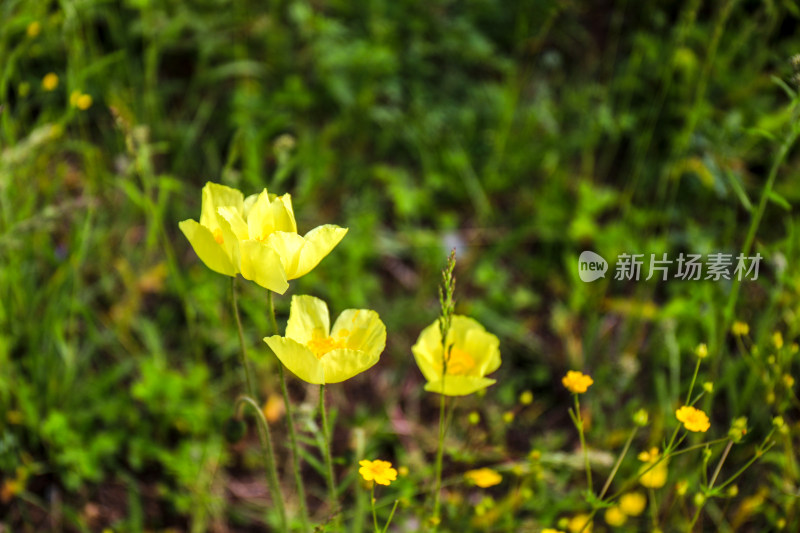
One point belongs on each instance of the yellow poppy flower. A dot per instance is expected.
(381, 472)
(315, 353)
(693, 419)
(256, 237)
(484, 477)
(474, 353)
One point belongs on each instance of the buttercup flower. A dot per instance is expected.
(652, 477)
(740, 328)
(632, 503)
(474, 352)
(256, 237)
(615, 517)
(577, 382)
(693, 419)
(381, 472)
(484, 477)
(50, 81)
(319, 355)
(579, 523)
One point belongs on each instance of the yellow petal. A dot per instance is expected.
(470, 336)
(297, 358)
(214, 197)
(308, 319)
(288, 246)
(236, 222)
(260, 263)
(363, 330)
(266, 215)
(340, 365)
(210, 252)
(319, 243)
(459, 385)
(428, 352)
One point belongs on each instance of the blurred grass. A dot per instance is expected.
(520, 134)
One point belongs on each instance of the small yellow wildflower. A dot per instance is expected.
(577, 382)
(34, 28)
(474, 418)
(701, 351)
(526, 398)
(81, 101)
(652, 477)
(693, 419)
(578, 523)
(740, 328)
(777, 340)
(50, 81)
(681, 487)
(632, 503)
(484, 477)
(508, 417)
(615, 517)
(788, 381)
(381, 472)
(641, 418)
(708, 386)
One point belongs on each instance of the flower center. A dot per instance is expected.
(218, 236)
(459, 363)
(321, 346)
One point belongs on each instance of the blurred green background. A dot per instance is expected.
(520, 133)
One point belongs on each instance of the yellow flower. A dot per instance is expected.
(256, 237)
(474, 352)
(615, 517)
(701, 351)
(80, 100)
(632, 503)
(317, 354)
(740, 328)
(578, 523)
(50, 82)
(577, 382)
(484, 477)
(652, 477)
(34, 28)
(693, 419)
(551, 530)
(381, 472)
(777, 340)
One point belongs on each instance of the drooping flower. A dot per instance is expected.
(256, 237)
(653, 472)
(483, 477)
(318, 354)
(381, 472)
(693, 419)
(473, 353)
(577, 382)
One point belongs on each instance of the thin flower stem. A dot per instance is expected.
(267, 456)
(699, 509)
(618, 463)
(298, 477)
(694, 379)
(372, 504)
(579, 425)
(334, 504)
(264, 436)
(391, 515)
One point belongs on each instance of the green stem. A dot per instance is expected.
(694, 379)
(391, 515)
(298, 478)
(579, 425)
(264, 436)
(618, 463)
(267, 456)
(327, 452)
(372, 503)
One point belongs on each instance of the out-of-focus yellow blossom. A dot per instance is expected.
(508, 417)
(701, 351)
(34, 28)
(256, 237)
(318, 354)
(641, 418)
(708, 386)
(579, 523)
(577, 382)
(483, 477)
(788, 381)
(473, 353)
(777, 340)
(652, 477)
(474, 418)
(693, 419)
(740, 328)
(551, 530)
(682, 487)
(80, 100)
(632, 503)
(526, 397)
(614, 516)
(50, 81)
(381, 472)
